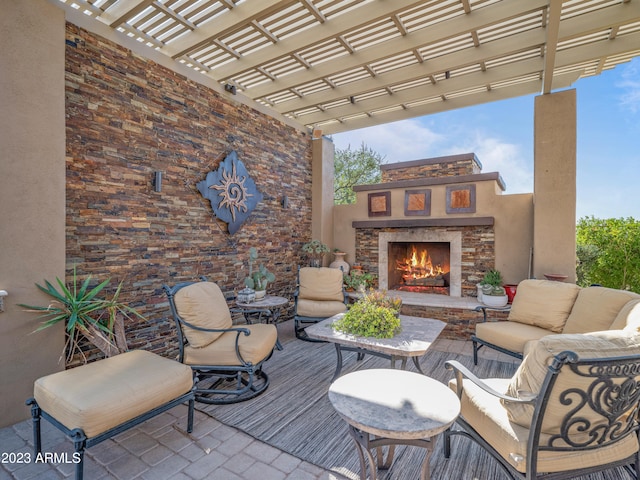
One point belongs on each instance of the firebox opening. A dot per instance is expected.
(421, 267)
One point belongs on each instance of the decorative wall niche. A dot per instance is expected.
(417, 202)
(461, 199)
(379, 204)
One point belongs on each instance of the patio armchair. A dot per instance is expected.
(226, 360)
(320, 294)
(571, 408)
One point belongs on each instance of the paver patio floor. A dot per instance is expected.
(161, 449)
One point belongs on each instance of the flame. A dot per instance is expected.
(418, 266)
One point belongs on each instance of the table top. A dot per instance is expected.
(415, 337)
(394, 403)
(269, 301)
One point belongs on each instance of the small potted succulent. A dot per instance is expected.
(315, 251)
(493, 293)
(259, 277)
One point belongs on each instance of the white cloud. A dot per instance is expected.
(412, 140)
(496, 155)
(396, 142)
(630, 83)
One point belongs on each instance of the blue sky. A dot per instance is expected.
(501, 136)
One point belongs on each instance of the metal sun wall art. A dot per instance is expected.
(232, 192)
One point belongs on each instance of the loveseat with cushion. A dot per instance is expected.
(544, 307)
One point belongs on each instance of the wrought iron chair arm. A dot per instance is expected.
(463, 372)
(246, 331)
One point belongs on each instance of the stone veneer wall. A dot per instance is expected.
(478, 251)
(451, 166)
(128, 117)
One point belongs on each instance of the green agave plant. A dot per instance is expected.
(99, 320)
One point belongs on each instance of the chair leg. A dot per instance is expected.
(35, 415)
(447, 442)
(475, 352)
(79, 443)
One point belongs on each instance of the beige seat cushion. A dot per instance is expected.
(628, 317)
(512, 336)
(531, 373)
(104, 394)
(321, 284)
(596, 308)
(543, 303)
(202, 304)
(254, 348)
(487, 416)
(319, 308)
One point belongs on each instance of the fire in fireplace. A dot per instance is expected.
(421, 267)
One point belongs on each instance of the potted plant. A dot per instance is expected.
(315, 251)
(358, 281)
(493, 293)
(86, 314)
(374, 315)
(259, 277)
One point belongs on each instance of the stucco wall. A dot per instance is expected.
(513, 222)
(32, 189)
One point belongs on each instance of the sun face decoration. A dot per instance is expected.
(231, 191)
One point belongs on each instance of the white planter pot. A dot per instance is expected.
(260, 294)
(495, 300)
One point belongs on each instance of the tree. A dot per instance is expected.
(608, 252)
(354, 167)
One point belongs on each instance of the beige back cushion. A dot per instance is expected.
(322, 283)
(543, 303)
(530, 375)
(596, 308)
(628, 317)
(203, 305)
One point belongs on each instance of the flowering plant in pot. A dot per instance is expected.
(374, 315)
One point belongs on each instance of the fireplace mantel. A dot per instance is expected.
(425, 222)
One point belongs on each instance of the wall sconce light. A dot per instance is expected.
(3, 293)
(157, 181)
(285, 201)
(230, 88)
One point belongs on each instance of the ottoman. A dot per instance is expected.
(94, 402)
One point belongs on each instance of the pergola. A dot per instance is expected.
(339, 65)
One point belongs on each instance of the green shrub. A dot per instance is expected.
(366, 319)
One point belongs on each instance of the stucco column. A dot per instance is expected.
(322, 172)
(32, 193)
(554, 191)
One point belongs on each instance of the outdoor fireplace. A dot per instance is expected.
(434, 268)
(419, 267)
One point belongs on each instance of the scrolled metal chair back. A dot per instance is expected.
(598, 398)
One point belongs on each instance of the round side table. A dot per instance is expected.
(385, 407)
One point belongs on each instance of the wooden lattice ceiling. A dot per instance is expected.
(338, 65)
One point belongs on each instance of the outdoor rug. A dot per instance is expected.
(295, 415)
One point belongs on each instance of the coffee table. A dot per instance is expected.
(384, 407)
(416, 336)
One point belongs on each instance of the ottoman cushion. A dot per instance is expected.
(104, 394)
